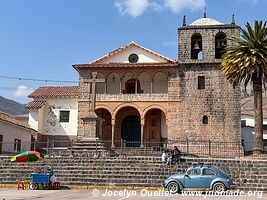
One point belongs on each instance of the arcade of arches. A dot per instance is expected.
(131, 83)
(129, 126)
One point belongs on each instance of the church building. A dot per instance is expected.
(144, 97)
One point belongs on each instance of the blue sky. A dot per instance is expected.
(42, 39)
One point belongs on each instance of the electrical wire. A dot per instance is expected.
(37, 80)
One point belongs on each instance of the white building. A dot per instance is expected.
(247, 124)
(14, 136)
(54, 112)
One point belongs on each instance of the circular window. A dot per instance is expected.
(133, 58)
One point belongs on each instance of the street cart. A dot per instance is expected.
(42, 180)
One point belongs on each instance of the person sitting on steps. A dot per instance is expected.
(176, 155)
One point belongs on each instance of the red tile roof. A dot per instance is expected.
(132, 65)
(10, 119)
(55, 91)
(35, 104)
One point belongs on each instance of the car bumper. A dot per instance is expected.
(164, 185)
(233, 186)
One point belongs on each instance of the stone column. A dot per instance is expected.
(142, 133)
(151, 86)
(136, 86)
(120, 85)
(105, 87)
(113, 134)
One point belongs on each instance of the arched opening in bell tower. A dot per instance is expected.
(196, 46)
(220, 44)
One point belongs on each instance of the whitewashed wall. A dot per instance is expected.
(52, 125)
(48, 117)
(33, 119)
(10, 132)
(160, 83)
(144, 56)
(250, 120)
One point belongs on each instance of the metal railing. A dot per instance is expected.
(196, 148)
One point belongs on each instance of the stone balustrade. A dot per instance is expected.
(133, 97)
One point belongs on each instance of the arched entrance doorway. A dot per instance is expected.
(131, 130)
(106, 124)
(128, 127)
(155, 129)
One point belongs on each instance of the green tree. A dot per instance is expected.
(245, 60)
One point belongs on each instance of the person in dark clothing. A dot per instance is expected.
(176, 155)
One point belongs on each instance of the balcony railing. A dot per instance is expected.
(132, 97)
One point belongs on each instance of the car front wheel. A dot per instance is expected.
(173, 187)
(218, 187)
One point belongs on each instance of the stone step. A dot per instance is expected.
(87, 172)
(87, 168)
(260, 179)
(97, 182)
(158, 159)
(261, 171)
(102, 163)
(93, 173)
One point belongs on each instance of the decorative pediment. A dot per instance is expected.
(132, 53)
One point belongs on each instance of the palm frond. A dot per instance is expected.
(247, 55)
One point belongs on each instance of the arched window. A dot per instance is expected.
(196, 46)
(220, 44)
(205, 119)
(100, 87)
(130, 86)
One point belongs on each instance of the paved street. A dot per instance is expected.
(13, 194)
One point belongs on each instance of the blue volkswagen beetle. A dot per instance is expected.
(199, 177)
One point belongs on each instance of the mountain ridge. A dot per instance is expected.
(12, 107)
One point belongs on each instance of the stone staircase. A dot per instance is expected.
(135, 171)
(84, 148)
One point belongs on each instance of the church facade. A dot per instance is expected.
(147, 97)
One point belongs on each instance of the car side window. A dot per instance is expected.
(208, 172)
(194, 172)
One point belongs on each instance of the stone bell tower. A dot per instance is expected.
(204, 40)
(210, 106)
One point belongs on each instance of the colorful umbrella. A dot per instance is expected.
(28, 156)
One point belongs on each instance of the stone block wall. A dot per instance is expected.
(218, 101)
(135, 171)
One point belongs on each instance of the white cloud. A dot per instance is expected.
(155, 6)
(132, 7)
(22, 91)
(138, 7)
(178, 5)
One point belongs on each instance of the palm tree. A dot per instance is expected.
(246, 61)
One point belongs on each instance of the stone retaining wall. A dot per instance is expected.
(131, 171)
